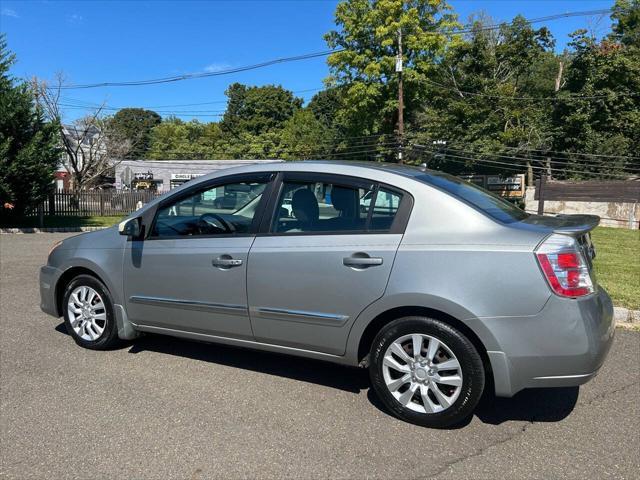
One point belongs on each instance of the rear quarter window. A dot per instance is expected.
(492, 205)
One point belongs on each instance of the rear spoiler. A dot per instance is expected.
(576, 225)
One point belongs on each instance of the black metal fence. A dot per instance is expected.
(89, 203)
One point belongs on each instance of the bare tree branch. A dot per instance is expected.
(92, 146)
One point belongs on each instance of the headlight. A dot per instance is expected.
(53, 247)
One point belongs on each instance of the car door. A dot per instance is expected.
(319, 263)
(189, 274)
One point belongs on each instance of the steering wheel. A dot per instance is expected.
(215, 220)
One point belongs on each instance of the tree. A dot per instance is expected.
(174, 138)
(135, 124)
(482, 96)
(598, 111)
(365, 65)
(92, 147)
(29, 151)
(626, 27)
(257, 110)
(305, 137)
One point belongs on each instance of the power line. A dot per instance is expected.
(588, 154)
(555, 98)
(189, 76)
(516, 165)
(194, 112)
(586, 163)
(356, 150)
(216, 102)
(584, 13)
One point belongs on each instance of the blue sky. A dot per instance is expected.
(95, 41)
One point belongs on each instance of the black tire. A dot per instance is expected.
(109, 337)
(473, 376)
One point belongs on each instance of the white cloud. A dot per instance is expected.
(7, 12)
(75, 18)
(216, 67)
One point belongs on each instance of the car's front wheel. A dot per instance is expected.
(426, 372)
(88, 313)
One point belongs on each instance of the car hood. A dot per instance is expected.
(105, 238)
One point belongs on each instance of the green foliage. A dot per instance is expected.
(476, 100)
(304, 136)
(607, 74)
(491, 94)
(29, 150)
(258, 109)
(135, 125)
(368, 33)
(626, 29)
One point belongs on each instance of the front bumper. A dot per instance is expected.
(564, 345)
(48, 280)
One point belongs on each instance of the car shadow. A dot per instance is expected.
(533, 405)
(340, 377)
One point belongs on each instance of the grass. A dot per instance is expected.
(618, 264)
(57, 221)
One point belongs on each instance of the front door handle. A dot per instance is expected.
(226, 261)
(361, 262)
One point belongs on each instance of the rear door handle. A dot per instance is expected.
(226, 261)
(361, 262)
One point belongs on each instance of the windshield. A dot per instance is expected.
(485, 201)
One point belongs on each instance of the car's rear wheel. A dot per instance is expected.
(88, 313)
(426, 372)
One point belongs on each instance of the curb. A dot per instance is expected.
(50, 230)
(625, 317)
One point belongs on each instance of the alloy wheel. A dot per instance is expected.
(87, 313)
(422, 373)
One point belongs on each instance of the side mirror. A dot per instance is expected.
(131, 228)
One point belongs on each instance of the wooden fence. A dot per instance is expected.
(616, 202)
(89, 203)
(592, 191)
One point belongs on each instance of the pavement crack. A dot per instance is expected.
(603, 395)
(480, 451)
(523, 429)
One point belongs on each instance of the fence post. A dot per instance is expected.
(41, 215)
(101, 204)
(543, 180)
(52, 203)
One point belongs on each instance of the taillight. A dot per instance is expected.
(564, 266)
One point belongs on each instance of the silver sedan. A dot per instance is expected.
(436, 286)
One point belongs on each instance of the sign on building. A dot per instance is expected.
(509, 187)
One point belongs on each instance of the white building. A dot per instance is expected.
(164, 175)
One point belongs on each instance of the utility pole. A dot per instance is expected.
(400, 98)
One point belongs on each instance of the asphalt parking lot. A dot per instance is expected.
(168, 408)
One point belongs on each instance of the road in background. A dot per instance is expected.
(168, 408)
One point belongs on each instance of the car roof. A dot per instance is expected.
(389, 173)
(341, 167)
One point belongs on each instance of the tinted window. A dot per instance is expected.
(223, 209)
(487, 202)
(328, 207)
(321, 207)
(385, 209)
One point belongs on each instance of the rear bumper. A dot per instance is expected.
(48, 279)
(562, 346)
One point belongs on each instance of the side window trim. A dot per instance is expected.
(268, 177)
(372, 206)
